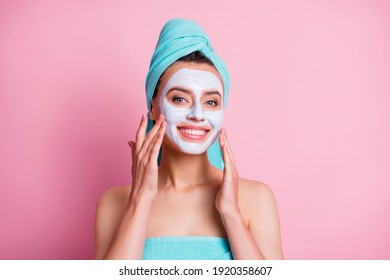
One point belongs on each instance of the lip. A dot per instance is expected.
(192, 137)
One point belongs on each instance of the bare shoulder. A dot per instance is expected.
(111, 205)
(254, 192)
(114, 197)
(253, 186)
(109, 212)
(256, 199)
(258, 206)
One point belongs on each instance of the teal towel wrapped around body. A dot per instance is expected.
(187, 248)
(178, 38)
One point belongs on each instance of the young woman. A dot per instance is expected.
(189, 202)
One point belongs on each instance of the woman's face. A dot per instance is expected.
(190, 96)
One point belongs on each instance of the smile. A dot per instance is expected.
(193, 133)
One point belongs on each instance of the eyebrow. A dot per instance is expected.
(179, 89)
(211, 92)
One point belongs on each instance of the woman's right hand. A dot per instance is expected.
(145, 152)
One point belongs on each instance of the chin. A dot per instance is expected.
(193, 151)
(193, 148)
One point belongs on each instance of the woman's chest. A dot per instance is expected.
(174, 214)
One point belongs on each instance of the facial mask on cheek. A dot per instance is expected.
(192, 137)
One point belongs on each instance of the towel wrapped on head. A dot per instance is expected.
(178, 38)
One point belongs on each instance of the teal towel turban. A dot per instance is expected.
(178, 38)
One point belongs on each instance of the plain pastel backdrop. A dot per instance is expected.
(308, 114)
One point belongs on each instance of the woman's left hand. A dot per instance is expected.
(227, 198)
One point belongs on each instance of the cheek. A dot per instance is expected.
(173, 115)
(215, 118)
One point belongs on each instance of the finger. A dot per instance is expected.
(143, 146)
(151, 153)
(140, 135)
(231, 167)
(153, 140)
(220, 138)
(155, 149)
(229, 149)
(152, 133)
(132, 147)
(225, 155)
(227, 171)
(224, 148)
(156, 126)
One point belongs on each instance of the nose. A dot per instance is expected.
(196, 113)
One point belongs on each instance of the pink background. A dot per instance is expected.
(308, 114)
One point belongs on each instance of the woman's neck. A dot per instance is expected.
(183, 171)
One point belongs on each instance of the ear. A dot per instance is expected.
(152, 113)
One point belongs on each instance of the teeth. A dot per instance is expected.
(193, 131)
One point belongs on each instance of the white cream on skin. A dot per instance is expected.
(192, 120)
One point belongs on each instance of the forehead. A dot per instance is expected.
(195, 80)
(177, 66)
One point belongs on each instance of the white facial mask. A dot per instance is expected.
(198, 81)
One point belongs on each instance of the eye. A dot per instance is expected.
(211, 103)
(177, 99)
